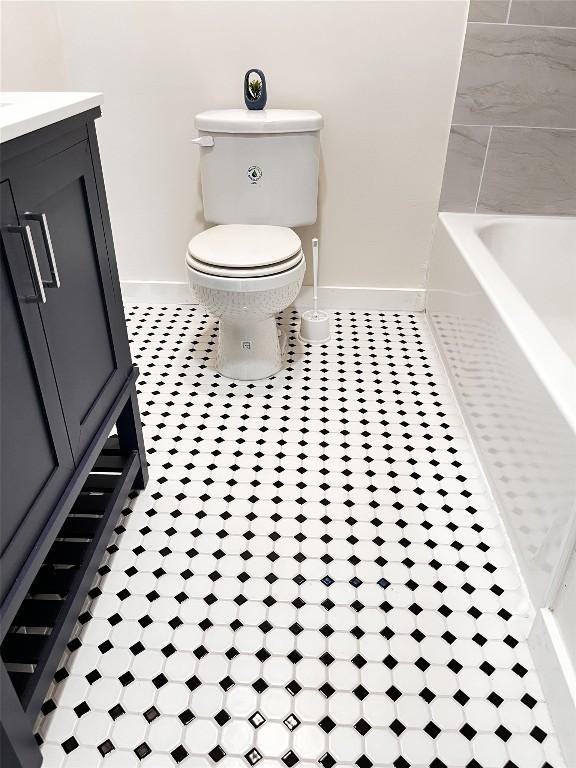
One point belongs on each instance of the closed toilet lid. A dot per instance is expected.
(244, 246)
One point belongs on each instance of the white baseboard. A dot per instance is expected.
(336, 297)
(155, 292)
(340, 297)
(558, 679)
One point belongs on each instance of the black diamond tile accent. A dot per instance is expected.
(193, 683)
(495, 699)
(126, 678)
(216, 754)
(528, 701)
(116, 711)
(461, 697)
(290, 759)
(327, 724)
(222, 717)
(503, 733)
(519, 670)
(393, 693)
(362, 726)
(142, 751)
(186, 716)
(260, 685)
(397, 727)
(70, 745)
(160, 680)
(226, 683)
(538, 734)
(427, 695)
(252, 757)
(93, 676)
(256, 720)
(291, 722)
(468, 731)
(293, 687)
(179, 754)
(432, 730)
(80, 709)
(151, 714)
(105, 748)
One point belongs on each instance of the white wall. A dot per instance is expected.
(382, 73)
(31, 47)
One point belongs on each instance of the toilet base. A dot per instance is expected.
(248, 351)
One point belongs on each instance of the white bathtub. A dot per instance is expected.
(501, 301)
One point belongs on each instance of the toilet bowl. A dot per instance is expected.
(244, 275)
(259, 175)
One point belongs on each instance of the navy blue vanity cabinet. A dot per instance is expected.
(83, 317)
(35, 455)
(71, 444)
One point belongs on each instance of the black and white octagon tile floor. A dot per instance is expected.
(314, 576)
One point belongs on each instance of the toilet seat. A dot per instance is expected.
(244, 250)
(238, 272)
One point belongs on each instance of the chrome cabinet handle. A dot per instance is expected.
(39, 295)
(43, 221)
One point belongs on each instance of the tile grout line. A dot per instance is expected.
(482, 172)
(511, 126)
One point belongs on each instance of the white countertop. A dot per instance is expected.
(25, 111)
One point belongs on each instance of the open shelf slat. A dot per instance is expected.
(38, 613)
(19, 648)
(65, 575)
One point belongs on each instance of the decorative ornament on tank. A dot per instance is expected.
(255, 95)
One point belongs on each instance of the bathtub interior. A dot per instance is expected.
(539, 257)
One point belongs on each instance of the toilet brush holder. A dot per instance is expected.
(314, 324)
(314, 327)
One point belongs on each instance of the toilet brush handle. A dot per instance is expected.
(315, 271)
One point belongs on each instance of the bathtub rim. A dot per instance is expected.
(551, 364)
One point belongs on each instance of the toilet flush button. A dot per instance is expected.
(247, 346)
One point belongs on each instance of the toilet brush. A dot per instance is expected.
(314, 324)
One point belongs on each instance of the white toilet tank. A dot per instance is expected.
(262, 167)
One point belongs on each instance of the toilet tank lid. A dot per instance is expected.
(259, 121)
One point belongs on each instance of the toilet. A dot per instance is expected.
(259, 175)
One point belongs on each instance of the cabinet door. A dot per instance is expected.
(35, 456)
(83, 317)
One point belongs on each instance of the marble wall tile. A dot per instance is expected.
(488, 10)
(463, 169)
(514, 75)
(556, 13)
(529, 170)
